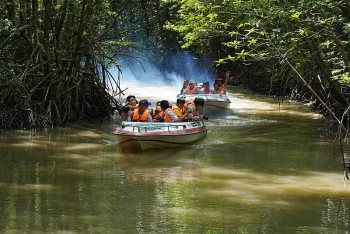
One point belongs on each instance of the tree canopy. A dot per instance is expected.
(55, 54)
(292, 48)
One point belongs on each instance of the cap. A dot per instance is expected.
(192, 82)
(144, 102)
(207, 82)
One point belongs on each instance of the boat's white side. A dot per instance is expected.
(211, 100)
(159, 135)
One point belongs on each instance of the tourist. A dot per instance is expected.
(128, 107)
(141, 114)
(178, 108)
(192, 88)
(168, 113)
(131, 102)
(206, 88)
(223, 83)
(184, 86)
(157, 113)
(194, 109)
(216, 88)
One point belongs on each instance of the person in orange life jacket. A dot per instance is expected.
(157, 113)
(223, 84)
(184, 86)
(192, 88)
(128, 107)
(141, 114)
(178, 108)
(132, 102)
(168, 113)
(194, 109)
(170, 104)
(206, 88)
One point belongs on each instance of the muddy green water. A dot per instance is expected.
(264, 167)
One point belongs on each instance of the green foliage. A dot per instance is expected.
(54, 57)
(313, 35)
(198, 22)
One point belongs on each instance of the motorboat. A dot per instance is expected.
(211, 101)
(149, 135)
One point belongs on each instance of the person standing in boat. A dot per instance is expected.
(141, 114)
(222, 83)
(168, 113)
(192, 88)
(194, 109)
(206, 88)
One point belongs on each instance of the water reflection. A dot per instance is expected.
(264, 167)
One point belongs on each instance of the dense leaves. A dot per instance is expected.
(54, 60)
(294, 48)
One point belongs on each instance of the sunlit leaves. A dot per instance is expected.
(232, 33)
(303, 32)
(249, 28)
(327, 43)
(212, 16)
(343, 78)
(198, 21)
(232, 44)
(252, 42)
(241, 25)
(295, 15)
(242, 54)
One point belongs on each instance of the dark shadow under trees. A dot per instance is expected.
(53, 62)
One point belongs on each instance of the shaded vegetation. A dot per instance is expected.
(54, 60)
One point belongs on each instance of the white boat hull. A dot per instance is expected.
(159, 135)
(211, 101)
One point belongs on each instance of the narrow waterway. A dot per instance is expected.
(266, 166)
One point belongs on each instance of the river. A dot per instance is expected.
(266, 166)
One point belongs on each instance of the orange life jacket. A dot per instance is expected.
(156, 114)
(188, 103)
(166, 116)
(191, 91)
(137, 118)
